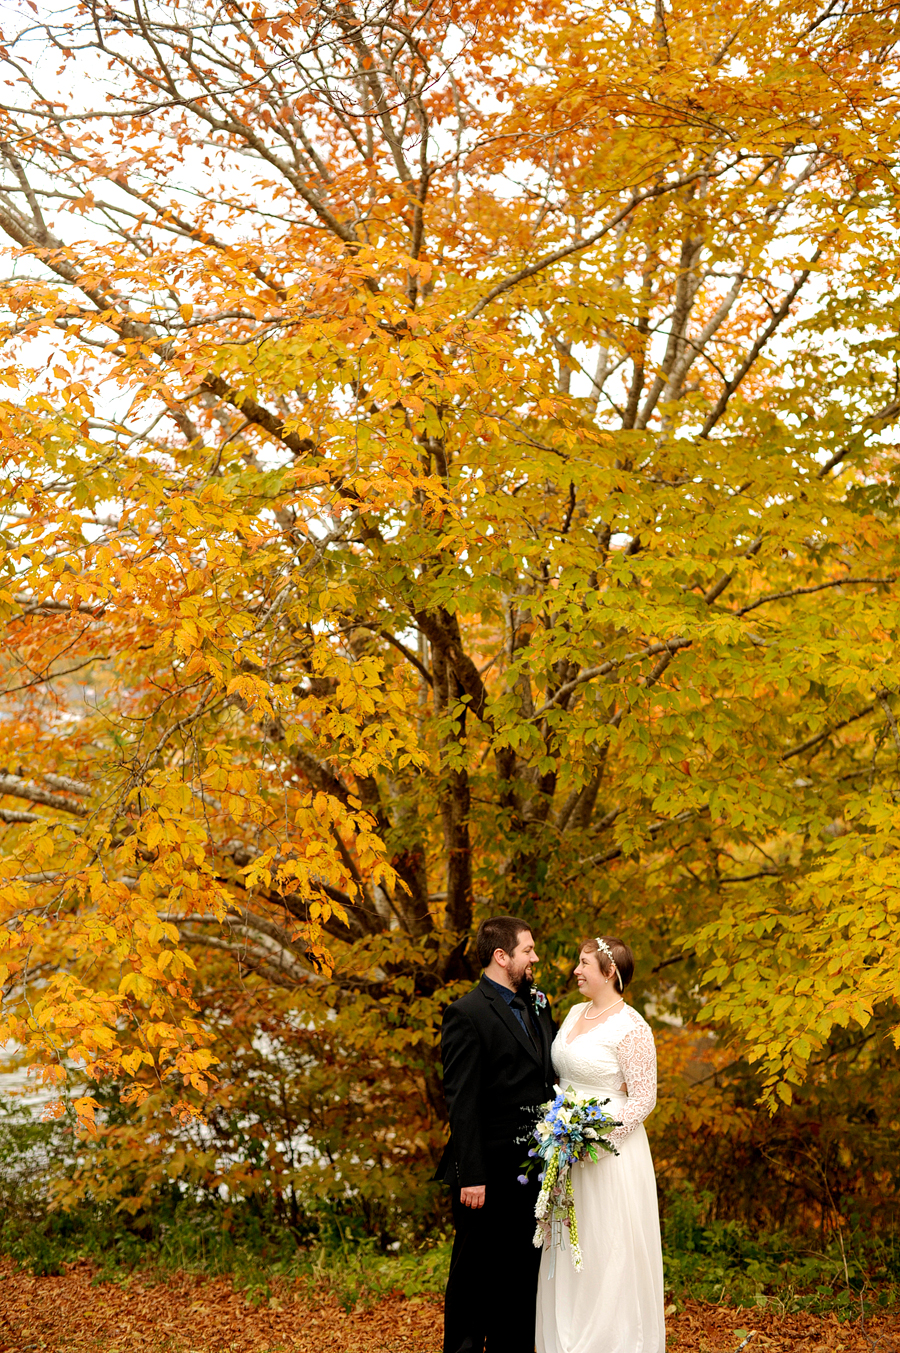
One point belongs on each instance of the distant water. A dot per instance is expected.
(25, 1088)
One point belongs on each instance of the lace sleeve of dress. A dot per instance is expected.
(637, 1058)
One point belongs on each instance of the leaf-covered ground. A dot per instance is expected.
(186, 1314)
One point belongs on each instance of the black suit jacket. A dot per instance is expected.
(494, 1081)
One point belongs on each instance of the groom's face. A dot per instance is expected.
(522, 959)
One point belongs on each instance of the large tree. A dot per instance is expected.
(448, 468)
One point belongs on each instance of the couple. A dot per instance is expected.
(501, 1055)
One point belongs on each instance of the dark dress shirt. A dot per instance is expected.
(509, 996)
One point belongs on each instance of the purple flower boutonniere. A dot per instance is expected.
(540, 1001)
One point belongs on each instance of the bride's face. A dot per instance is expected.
(591, 982)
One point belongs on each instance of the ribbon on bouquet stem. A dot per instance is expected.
(556, 1239)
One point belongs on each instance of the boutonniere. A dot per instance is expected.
(540, 1000)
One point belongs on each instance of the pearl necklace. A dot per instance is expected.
(620, 1001)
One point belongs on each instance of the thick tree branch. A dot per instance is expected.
(17, 788)
(10, 816)
(258, 414)
(268, 961)
(401, 648)
(443, 633)
(322, 776)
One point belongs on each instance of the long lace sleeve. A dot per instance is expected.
(637, 1058)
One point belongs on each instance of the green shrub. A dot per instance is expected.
(727, 1262)
(179, 1226)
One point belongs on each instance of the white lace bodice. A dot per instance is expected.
(619, 1050)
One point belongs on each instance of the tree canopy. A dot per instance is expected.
(449, 469)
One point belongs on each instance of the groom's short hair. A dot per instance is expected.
(498, 932)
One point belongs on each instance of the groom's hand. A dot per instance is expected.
(472, 1196)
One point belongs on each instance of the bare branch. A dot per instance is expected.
(818, 587)
(780, 314)
(748, 878)
(822, 737)
(874, 423)
(889, 715)
(653, 831)
(669, 647)
(557, 256)
(718, 588)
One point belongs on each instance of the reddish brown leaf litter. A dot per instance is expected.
(699, 1328)
(185, 1314)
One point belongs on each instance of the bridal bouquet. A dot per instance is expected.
(574, 1128)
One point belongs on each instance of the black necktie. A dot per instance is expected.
(519, 1003)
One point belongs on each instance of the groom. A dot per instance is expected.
(495, 1044)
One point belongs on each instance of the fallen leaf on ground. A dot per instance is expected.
(189, 1314)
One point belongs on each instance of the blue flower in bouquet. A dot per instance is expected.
(574, 1129)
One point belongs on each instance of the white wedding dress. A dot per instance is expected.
(615, 1304)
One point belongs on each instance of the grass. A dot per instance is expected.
(722, 1262)
(719, 1261)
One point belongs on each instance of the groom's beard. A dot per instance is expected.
(522, 980)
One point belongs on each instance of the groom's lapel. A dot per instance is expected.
(502, 1010)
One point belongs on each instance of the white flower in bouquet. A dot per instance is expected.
(573, 1128)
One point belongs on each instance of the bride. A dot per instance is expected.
(605, 1048)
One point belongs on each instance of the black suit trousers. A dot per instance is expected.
(492, 1287)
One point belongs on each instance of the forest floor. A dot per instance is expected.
(70, 1313)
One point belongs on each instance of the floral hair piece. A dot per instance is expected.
(604, 948)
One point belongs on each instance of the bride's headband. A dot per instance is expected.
(604, 948)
